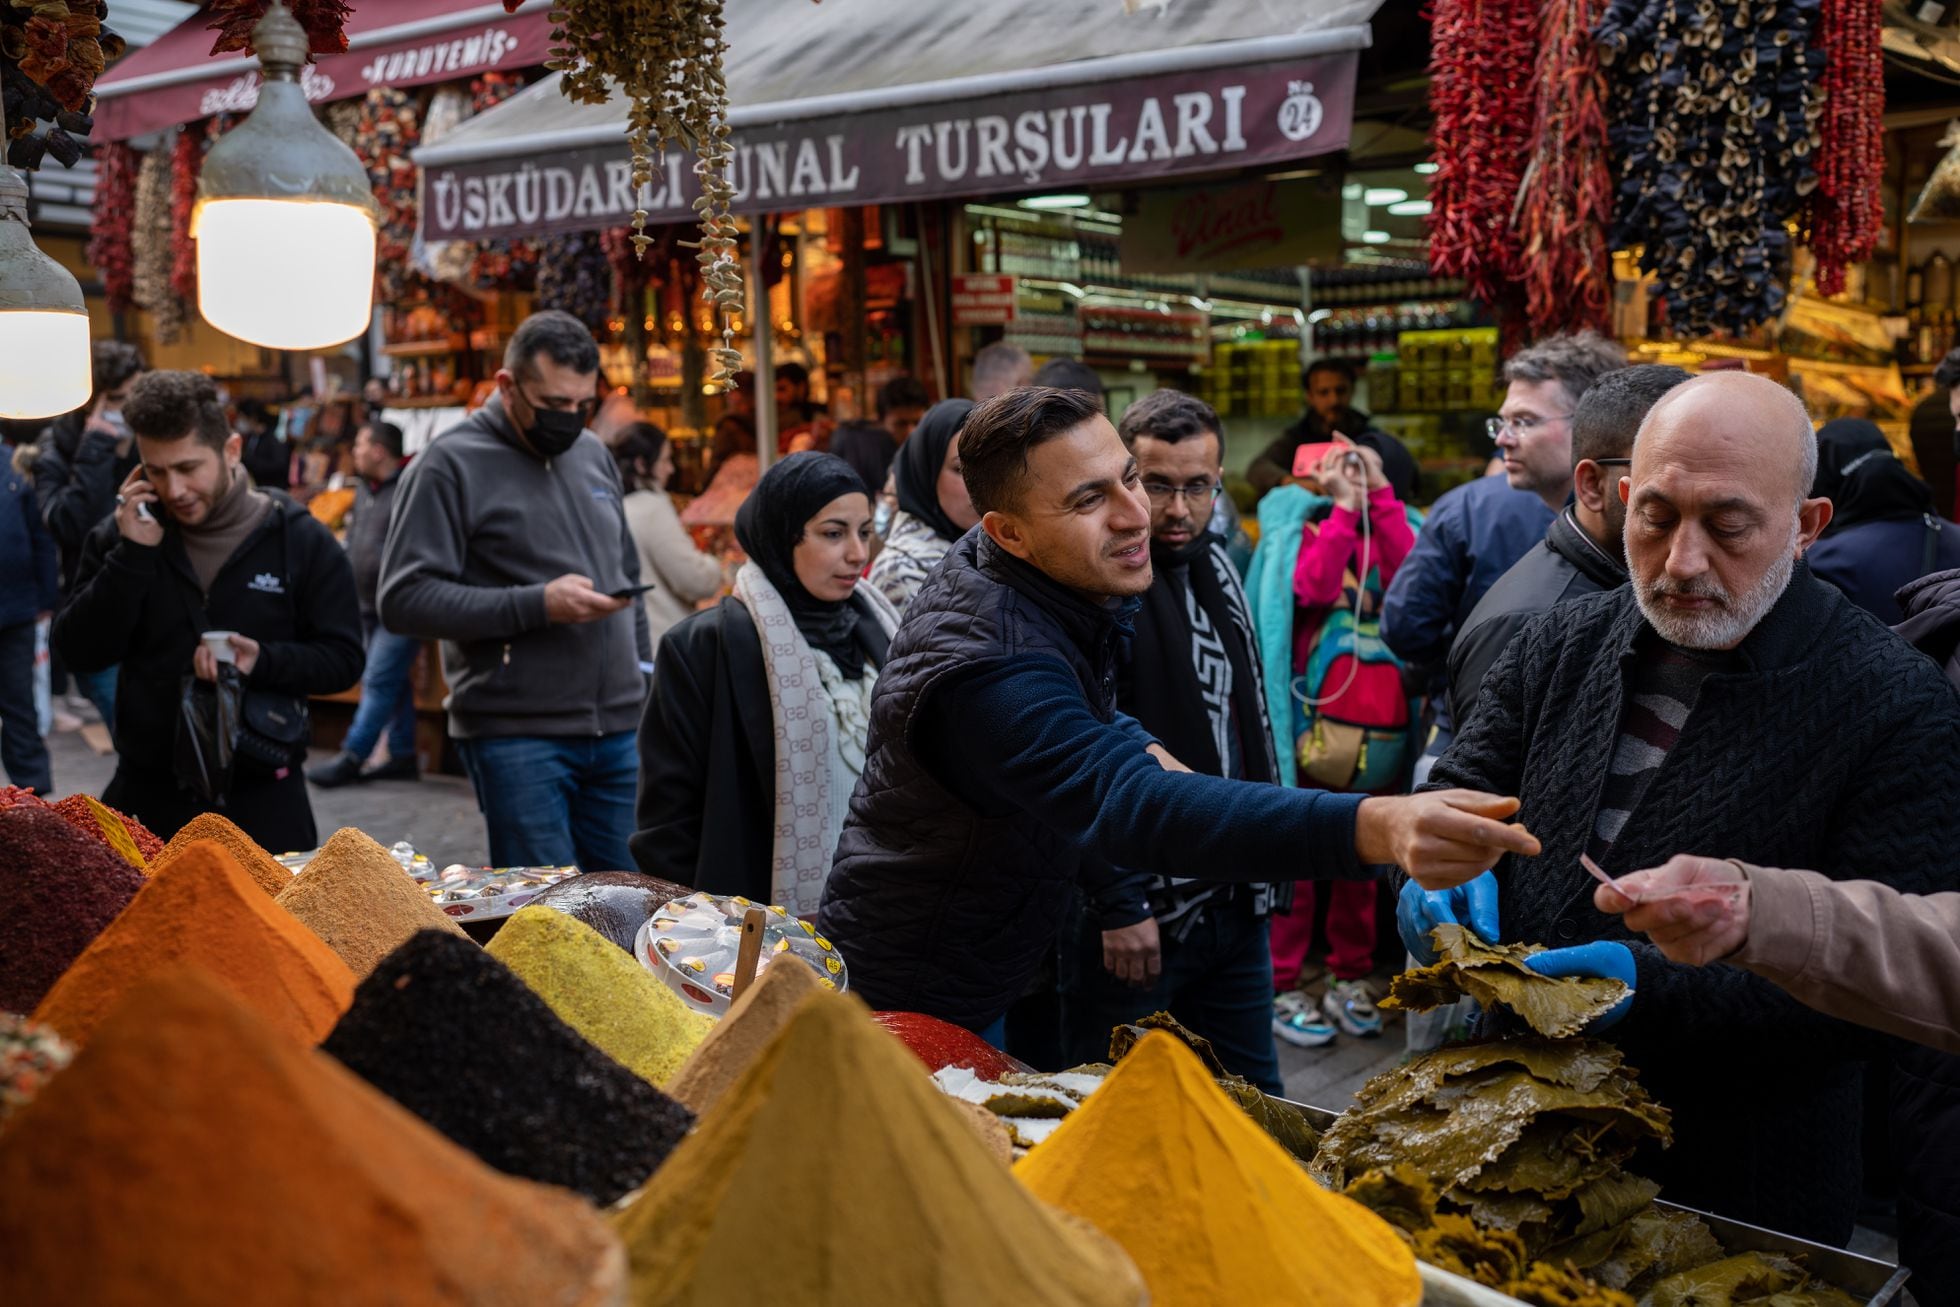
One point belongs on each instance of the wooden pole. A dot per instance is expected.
(749, 954)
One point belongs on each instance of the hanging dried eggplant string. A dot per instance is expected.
(667, 57)
(1847, 211)
(1481, 60)
(1715, 129)
(51, 52)
(150, 243)
(186, 158)
(1565, 199)
(573, 275)
(109, 251)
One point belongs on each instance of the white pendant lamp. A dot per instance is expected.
(44, 352)
(285, 218)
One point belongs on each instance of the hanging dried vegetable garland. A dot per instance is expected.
(1847, 211)
(384, 130)
(573, 275)
(505, 263)
(186, 158)
(1715, 129)
(109, 250)
(1565, 199)
(667, 57)
(1481, 61)
(51, 52)
(150, 243)
(325, 22)
(633, 273)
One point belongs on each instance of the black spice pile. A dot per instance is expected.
(58, 889)
(452, 1035)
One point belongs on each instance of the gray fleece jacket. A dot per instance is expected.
(480, 525)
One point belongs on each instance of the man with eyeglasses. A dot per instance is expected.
(509, 544)
(1584, 552)
(1184, 944)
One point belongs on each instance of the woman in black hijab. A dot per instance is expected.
(754, 734)
(1883, 532)
(933, 508)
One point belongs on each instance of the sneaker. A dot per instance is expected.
(395, 769)
(1351, 1005)
(1298, 1022)
(345, 769)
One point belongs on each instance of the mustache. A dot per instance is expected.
(1699, 587)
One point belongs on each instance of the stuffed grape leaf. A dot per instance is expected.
(1496, 977)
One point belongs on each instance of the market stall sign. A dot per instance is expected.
(153, 102)
(982, 299)
(1086, 135)
(1252, 224)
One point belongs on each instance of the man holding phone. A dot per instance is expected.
(509, 544)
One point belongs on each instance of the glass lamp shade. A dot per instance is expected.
(285, 274)
(44, 362)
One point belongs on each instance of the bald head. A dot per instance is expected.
(1717, 512)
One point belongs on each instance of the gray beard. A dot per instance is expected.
(1733, 620)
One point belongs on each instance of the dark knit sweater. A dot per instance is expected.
(1833, 747)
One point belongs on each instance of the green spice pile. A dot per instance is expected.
(448, 1032)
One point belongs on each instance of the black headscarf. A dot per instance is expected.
(1865, 482)
(919, 460)
(769, 525)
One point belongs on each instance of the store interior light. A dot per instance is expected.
(285, 217)
(1427, 166)
(1070, 201)
(1353, 191)
(1378, 195)
(1374, 238)
(1319, 315)
(44, 351)
(1410, 208)
(1069, 288)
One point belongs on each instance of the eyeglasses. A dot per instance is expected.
(1614, 462)
(1495, 427)
(1202, 495)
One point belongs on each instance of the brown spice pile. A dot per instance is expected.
(750, 1026)
(356, 897)
(203, 909)
(191, 1154)
(258, 864)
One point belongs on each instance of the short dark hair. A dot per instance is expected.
(1069, 374)
(113, 362)
(385, 434)
(172, 405)
(1947, 375)
(637, 441)
(1609, 415)
(1576, 360)
(559, 336)
(254, 410)
(1170, 416)
(795, 372)
(1000, 361)
(998, 434)
(902, 392)
(1342, 366)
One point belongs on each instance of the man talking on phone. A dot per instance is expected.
(193, 547)
(509, 544)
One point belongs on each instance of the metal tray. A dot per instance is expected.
(1878, 1283)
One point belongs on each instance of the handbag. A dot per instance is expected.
(271, 728)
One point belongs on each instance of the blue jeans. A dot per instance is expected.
(548, 801)
(1217, 981)
(99, 688)
(22, 750)
(386, 699)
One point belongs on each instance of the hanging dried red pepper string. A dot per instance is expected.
(186, 159)
(110, 251)
(1564, 200)
(1847, 211)
(325, 22)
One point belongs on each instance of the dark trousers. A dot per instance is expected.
(1217, 981)
(22, 750)
(276, 814)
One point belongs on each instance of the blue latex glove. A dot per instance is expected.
(1603, 959)
(1419, 911)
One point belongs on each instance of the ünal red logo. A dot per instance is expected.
(1215, 222)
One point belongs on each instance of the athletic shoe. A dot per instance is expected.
(345, 769)
(1296, 1021)
(1350, 1004)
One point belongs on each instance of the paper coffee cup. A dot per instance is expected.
(219, 643)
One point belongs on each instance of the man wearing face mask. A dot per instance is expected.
(509, 544)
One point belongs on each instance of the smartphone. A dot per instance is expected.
(143, 510)
(633, 591)
(1307, 461)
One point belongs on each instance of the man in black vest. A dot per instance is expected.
(999, 770)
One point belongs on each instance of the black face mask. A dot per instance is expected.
(552, 431)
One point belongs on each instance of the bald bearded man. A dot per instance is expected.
(1725, 702)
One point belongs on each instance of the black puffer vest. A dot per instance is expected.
(939, 908)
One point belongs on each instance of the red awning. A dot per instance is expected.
(396, 43)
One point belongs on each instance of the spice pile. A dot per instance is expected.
(356, 897)
(201, 908)
(926, 1216)
(99, 821)
(58, 890)
(29, 1054)
(193, 1154)
(601, 992)
(449, 1033)
(751, 1025)
(1246, 1223)
(258, 864)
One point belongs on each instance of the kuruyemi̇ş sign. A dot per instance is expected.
(1082, 135)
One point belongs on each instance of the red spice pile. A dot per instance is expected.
(76, 812)
(59, 891)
